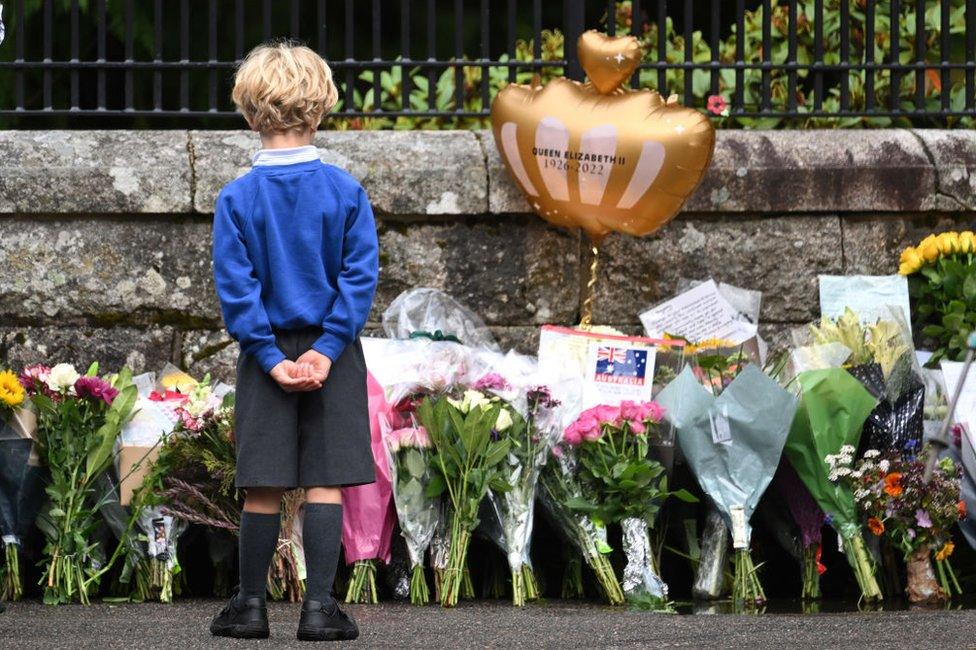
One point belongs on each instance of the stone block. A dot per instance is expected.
(103, 172)
(139, 349)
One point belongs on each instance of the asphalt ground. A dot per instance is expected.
(489, 624)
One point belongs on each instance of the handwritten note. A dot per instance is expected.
(869, 296)
(966, 406)
(697, 314)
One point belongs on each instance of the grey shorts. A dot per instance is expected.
(310, 439)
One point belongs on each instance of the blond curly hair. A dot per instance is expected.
(284, 86)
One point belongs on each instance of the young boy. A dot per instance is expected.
(295, 260)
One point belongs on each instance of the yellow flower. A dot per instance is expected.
(911, 261)
(967, 242)
(710, 344)
(929, 249)
(945, 551)
(11, 392)
(178, 381)
(948, 243)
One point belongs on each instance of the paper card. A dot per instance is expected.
(869, 296)
(697, 314)
(134, 464)
(721, 431)
(616, 372)
(738, 516)
(965, 413)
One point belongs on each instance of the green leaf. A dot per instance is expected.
(116, 416)
(436, 487)
(685, 495)
(969, 287)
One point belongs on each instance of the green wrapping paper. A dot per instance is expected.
(733, 443)
(833, 408)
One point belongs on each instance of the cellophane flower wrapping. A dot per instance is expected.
(515, 379)
(423, 355)
(832, 411)
(882, 357)
(21, 485)
(713, 556)
(809, 518)
(79, 419)
(732, 441)
(369, 517)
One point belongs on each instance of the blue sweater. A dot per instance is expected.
(294, 246)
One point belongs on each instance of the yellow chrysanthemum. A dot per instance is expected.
(911, 261)
(11, 392)
(948, 243)
(709, 344)
(945, 551)
(928, 248)
(967, 242)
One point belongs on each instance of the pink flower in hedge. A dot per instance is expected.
(95, 388)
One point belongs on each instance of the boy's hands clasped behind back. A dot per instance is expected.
(306, 373)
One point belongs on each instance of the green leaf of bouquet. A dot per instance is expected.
(117, 414)
(969, 287)
(684, 495)
(436, 487)
(414, 462)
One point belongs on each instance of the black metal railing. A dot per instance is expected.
(438, 63)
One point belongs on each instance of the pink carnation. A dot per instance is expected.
(491, 381)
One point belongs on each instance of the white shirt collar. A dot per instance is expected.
(288, 156)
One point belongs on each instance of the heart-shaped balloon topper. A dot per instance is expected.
(598, 156)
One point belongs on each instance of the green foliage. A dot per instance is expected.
(944, 305)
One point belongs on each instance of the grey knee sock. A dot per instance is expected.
(321, 536)
(259, 537)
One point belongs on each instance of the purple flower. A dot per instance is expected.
(922, 519)
(95, 388)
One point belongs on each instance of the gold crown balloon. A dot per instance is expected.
(597, 156)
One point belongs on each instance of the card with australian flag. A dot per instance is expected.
(618, 371)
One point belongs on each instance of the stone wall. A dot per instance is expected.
(105, 235)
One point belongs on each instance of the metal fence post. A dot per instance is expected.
(574, 17)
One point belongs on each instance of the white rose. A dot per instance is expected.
(62, 377)
(504, 420)
(473, 398)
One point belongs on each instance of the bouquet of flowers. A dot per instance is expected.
(620, 484)
(528, 450)
(368, 518)
(79, 420)
(192, 479)
(882, 358)
(466, 430)
(732, 421)
(560, 487)
(21, 491)
(941, 273)
(832, 411)
(891, 493)
(810, 520)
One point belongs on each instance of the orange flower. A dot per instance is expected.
(893, 484)
(876, 525)
(961, 507)
(945, 551)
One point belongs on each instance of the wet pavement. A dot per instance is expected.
(491, 624)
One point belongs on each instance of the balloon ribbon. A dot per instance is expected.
(586, 317)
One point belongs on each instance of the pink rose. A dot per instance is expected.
(652, 411)
(630, 410)
(637, 427)
(607, 414)
(572, 434)
(592, 435)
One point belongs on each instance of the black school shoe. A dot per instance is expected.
(325, 622)
(242, 618)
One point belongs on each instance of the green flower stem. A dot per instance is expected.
(863, 566)
(362, 584)
(606, 578)
(746, 588)
(456, 564)
(947, 578)
(419, 592)
(13, 585)
(811, 575)
(573, 579)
